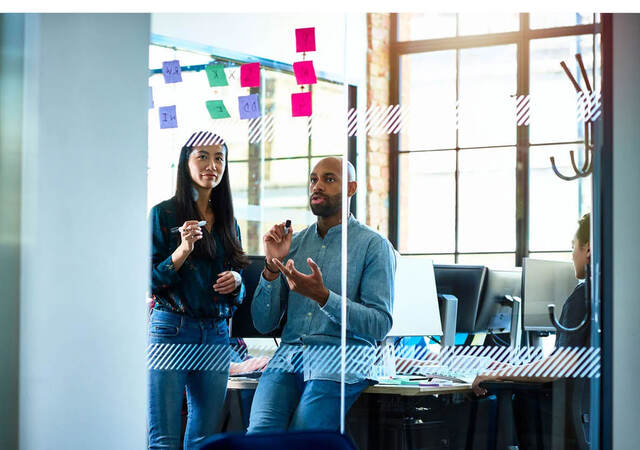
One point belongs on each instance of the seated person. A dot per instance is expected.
(573, 313)
(302, 282)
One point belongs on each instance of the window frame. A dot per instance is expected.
(522, 40)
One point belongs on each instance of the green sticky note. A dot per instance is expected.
(217, 110)
(216, 75)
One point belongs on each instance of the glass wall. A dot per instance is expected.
(382, 332)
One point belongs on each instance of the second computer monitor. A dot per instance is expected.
(495, 313)
(466, 283)
(543, 283)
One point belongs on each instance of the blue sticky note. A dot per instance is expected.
(249, 106)
(150, 97)
(171, 71)
(168, 118)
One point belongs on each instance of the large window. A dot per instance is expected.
(269, 157)
(474, 180)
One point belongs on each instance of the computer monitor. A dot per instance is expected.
(466, 284)
(241, 325)
(494, 313)
(415, 306)
(543, 283)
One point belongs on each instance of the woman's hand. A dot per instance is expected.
(475, 386)
(226, 283)
(190, 232)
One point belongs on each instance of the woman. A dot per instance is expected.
(533, 409)
(196, 286)
(573, 312)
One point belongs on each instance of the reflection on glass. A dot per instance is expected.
(555, 114)
(550, 20)
(487, 84)
(486, 23)
(555, 205)
(427, 202)
(487, 200)
(415, 26)
(428, 89)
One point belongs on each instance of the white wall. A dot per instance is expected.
(626, 224)
(84, 266)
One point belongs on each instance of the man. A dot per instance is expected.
(302, 281)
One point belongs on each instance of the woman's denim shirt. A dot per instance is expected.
(188, 291)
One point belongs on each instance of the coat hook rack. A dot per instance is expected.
(587, 166)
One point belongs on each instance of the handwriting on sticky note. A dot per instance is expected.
(301, 104)
(249, 106)
(171, 71)
(150, 97)
(217, 110)
(305, 40)
(168, 117)
(304, 72)
(216, 75)
(250, 75)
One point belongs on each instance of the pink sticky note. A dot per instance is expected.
(305, 73)
(301, 104)
(305, 40)
(250, 75)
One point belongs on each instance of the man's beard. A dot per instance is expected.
(330, 207)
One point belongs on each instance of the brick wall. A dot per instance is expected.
(378, 26)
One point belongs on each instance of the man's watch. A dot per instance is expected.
(266, 266)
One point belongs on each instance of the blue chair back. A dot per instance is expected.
(289, 440)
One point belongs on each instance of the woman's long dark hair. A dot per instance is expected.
(221, 203)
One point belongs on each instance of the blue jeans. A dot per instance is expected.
(284, 401)
(174, 368)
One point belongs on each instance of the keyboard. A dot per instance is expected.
(256, 374)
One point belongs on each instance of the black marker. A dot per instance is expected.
(287, 227)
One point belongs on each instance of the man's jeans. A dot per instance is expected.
(174, 368)
(284, 401)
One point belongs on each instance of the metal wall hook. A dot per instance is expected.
(558, 326)
(587, 319)
(557, 172)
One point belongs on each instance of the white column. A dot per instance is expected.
(626, 226)
(84, 254)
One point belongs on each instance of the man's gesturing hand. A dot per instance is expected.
(310, 286)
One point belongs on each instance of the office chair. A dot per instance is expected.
(290, 440)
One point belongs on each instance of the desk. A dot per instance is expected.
(392, 389)
(379, 421)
